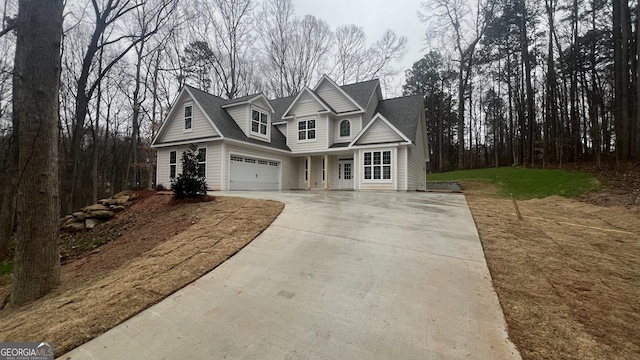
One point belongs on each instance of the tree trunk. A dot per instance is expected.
(35, 101)
(529, 144)
(461, 89)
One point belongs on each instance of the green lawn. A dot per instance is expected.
(526, 183)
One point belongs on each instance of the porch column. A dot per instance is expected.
(308, 172)
(326, 172)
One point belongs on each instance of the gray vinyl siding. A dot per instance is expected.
(288, 168)
(416, 162)
(162, 167)
(200, 126)
(331, 133)
(335, 98)
(379, 132)
(212, 169)
(320, 142)
(239, 115)
(306, 105)
(402, 168)
(316, 173)
(333, 172)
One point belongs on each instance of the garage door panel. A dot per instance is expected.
(253, 174)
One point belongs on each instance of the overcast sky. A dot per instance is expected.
(375, 16)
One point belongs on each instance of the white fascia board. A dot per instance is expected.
(244, 143)
(185, 142)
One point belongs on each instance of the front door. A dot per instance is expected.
(345, 173)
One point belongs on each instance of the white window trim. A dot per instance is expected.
(173, 164)
(206, 154)
(340, 129)
(307, 140)
(184, 119)
(381, 180)
(258, 133)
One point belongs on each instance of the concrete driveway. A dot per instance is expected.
(338, 275)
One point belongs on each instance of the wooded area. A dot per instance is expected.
(530, 82)
(124, 61)
(505, 82)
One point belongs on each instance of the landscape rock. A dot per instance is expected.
(107, 202)
(79, 216)
(91, 223)
(95, 207)
(117, 208)
(64, 220)
(100, 214)
(122, 200)
(123, 193)
(73, 226)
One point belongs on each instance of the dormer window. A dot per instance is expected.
(259, 122)
(345, 128)
(188, 116)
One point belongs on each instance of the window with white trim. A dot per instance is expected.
(345, 128)
(377, 165)
(259, 122)
(306, 130)
(202, 162)
(173, 159)
(188, 116)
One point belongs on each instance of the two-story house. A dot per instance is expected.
(330, 137)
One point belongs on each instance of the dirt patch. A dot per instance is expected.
(567, 276)
(159, 250)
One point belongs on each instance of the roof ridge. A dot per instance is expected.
(403, 97)
(205, 92)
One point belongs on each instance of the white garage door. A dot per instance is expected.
(249, 173)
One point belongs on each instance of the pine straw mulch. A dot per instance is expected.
(567, 276)
(153, 249)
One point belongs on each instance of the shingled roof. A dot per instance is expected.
(403, 113)
(212, 105)
(361, 92)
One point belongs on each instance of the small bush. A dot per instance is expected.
(160, 187)
(190, 183)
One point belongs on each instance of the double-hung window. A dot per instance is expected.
(259, 122)
(377, 165)
(307, 129)
(172, 164)
(202, 162)
(188, 116)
